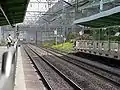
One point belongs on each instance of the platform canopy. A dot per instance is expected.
(12, 11)
(103, 19)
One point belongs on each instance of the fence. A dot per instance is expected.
(98, 45)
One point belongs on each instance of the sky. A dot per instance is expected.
(34, 9)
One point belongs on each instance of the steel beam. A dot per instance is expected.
(36, 11)
(5, 16)
(67, 3)
(43, 2)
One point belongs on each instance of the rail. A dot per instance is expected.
(8, 68)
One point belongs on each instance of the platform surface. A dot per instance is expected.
(26, 76)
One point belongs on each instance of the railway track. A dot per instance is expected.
(53, 78)
(110, 73)
(71, 69)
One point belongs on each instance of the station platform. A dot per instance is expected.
(26, 77)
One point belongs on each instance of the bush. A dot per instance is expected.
(49, 43)
(72, 35)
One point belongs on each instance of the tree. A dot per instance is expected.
(72, 35)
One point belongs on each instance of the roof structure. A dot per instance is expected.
(12, 11)
(103, 19)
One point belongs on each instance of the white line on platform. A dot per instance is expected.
(19, 79)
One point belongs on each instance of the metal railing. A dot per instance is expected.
(98, 45)
(8, 68)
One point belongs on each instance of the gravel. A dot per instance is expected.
(83, 78)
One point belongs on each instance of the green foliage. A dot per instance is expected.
(105, 34)
(65, 47)
(115, 38)
(49, 43)
(72, 35)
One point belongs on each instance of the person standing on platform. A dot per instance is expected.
(9, 41)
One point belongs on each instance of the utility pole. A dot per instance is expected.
(36, 37)
(3, 35)
(41, 37)
(56, 39)
(76, 8)
(17, 33)
(55, 32)
(63, 20)
(101, 5)
(109, 40)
